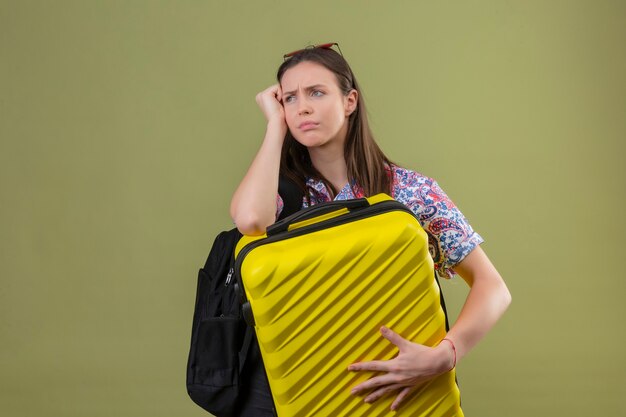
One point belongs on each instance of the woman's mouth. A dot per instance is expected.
(308, 125)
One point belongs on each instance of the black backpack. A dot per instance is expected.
(220, 337)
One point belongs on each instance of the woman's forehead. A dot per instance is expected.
(306, 74)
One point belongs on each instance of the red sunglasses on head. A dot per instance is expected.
(323, 46)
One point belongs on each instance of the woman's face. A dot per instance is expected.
(316, 111)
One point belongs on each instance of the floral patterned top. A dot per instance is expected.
(450, 235)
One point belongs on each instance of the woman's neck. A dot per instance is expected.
(331, 163)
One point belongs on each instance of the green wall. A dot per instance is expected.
(126, 125)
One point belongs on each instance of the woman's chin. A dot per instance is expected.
(310, 140)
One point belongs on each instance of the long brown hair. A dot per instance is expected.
(366, 163)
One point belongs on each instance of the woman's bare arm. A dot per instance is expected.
(253, 206)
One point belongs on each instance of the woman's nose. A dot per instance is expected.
(304, 107)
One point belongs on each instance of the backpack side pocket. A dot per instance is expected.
(214, 370)
(217, 351)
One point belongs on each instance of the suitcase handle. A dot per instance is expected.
(314, 211)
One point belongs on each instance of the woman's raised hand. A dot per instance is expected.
(414, 364)
(270, 102)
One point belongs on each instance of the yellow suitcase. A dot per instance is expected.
(318, 287)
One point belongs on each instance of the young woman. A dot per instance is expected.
(318, 136)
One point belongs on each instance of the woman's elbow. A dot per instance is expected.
(504, 295)
(251, 224)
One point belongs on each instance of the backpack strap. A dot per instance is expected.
(442, 301)
(445, 313)
(243, 353)
(291, 194)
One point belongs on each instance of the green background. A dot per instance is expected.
(125, 127)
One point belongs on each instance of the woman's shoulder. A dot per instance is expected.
(414, 188)
(404, 177)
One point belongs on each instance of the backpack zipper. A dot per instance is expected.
(229, 277)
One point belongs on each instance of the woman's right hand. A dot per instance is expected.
(270, 102)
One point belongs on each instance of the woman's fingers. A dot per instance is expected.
(403, 394)
(269, 100)
(403, 373)
(377, 381)
(393, 337)
(382, 391)
(376, 366)
(381, 366)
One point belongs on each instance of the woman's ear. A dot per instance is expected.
(350, 102)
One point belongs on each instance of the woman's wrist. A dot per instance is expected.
(278, 126)
(449, 355)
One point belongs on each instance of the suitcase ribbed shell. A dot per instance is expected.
(320, 298)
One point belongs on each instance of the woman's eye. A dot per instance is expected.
(288, 99)
(318, 93)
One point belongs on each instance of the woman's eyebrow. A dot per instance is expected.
(309, 88)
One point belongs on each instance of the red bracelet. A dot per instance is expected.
(453, 350)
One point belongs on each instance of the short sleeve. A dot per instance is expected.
(450, 236)
(279, 205)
